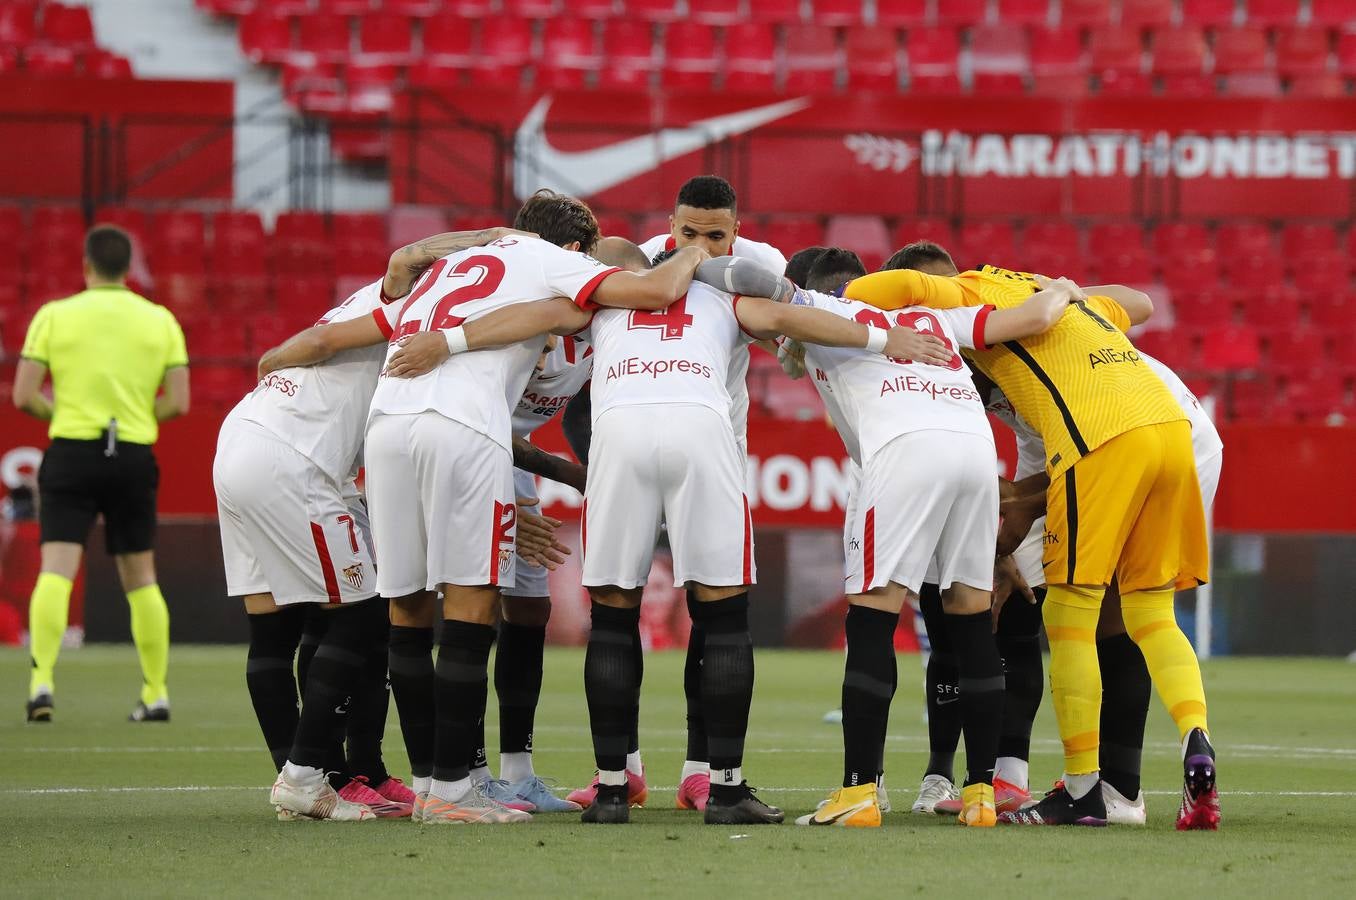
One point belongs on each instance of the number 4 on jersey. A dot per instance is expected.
(671, 322)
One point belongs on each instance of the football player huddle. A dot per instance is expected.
(431, 380)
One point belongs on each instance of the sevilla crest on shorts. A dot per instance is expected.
(354, 574)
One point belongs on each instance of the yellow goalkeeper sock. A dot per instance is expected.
(1172, 664)
(48, 609)
(1075, 679)
(150, 632)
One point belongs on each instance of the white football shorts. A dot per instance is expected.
(529, 580)
(675, 464)
(286, 528)
(927, 504)
(441, 496)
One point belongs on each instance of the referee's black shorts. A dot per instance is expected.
(78, 481)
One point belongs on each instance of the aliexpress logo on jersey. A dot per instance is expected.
(656, 367)
(912, 384)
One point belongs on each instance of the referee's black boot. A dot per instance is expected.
(39, 708)
(609, 807)
(156, 712)
(737, 805)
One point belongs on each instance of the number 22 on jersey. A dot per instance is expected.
(481, 275)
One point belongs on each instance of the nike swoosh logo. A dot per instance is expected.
(947, 702)
(583, 173)
(841, 815)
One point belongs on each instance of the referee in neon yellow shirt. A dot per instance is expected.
(109, 352)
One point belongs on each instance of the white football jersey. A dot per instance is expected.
(874, 399)
(681, 354)
(564, 373)
(480, 389)
(767, 256)
(1205, 440)
(321, 411)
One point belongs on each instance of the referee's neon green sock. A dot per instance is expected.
(150, 632)
(48, 609)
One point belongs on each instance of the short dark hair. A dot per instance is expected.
(835, 266)
(109, 251)
(798, 266)
(911, 256)
(707, 192)
(559, 219)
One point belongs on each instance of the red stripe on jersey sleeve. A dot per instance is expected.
(980, 318)
(379, 316)
(582, 300)
(734, 304)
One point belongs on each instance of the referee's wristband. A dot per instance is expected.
(456, 340)
(875, 339)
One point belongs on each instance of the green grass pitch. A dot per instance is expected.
(98, 806)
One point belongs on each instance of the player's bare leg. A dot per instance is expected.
(1126, 688)
(727, 693)
(517, 684)
(612, 677)
(969, 626)
(869, 682)
(461, 685)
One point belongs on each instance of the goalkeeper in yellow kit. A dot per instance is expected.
(1123, 503)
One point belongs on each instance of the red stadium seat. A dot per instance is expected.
(1300, 239)
(628, 48)
(1302, 51)
(1058, 64)
(1268, 13)
(1241, 50)
(18, 26)
(407, 224)
(1250, 398)
(326, 37)
(901, 13)
(432, 74)
(1105, 238)
(469, 9)
(1115, 53)
(592, 9)
(933, 60)
(872, 59)
(1330, 12)
(691, 57)
(221, 384)
(237, 233)
(1231, 347)
(67, 26)
(344, 7)
(1178, 51)
(750, 57)
(1322, 271)
(1270, 308)
(811, 54)
(505, 48)
(568, 53)
(715, 12)
(962, 13)
(1202, 309)
(1346, 53)
(1175, 349)
(449, 41)
(1243, 238)
(386, 38)
(1146, 13)
(791, 234)
(1332, 311)
(102, 64)
(794, 400)
(938, 231)
(133, 221)
(985, 243)
(1084, 13)
(179, 242)
(265, 37)
(209, 337)
(1208, 12)
(50, 61)
(57, 225)
(836, 13)
(1329, 84)
(1294, 350)
(532, 9)
(651, 10)
(414, 9)
(1314, 397)
(776, 12)
(1246, 271)
(301, 245)
(867, 236)
(1253, 84)
(1051, 236)
(999, 58)
(1024, 12)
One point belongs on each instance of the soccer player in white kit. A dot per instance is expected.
(439, 463)
(926, 509)
(294, 535)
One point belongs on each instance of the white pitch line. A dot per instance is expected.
(198, 789)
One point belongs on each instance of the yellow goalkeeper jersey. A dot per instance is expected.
(1080, 384)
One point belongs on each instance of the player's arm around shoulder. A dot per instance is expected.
(763, 319)
(424, 351)
(1122, 306)
(906, 287)
(320, 342)
(1037, 314)
(654, 289)
(411, 261)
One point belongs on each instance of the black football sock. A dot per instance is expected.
(1019, 644)
(692, 685)
(371, 702)
(461, 686)
(638, 660)
(334, 674)
(268, 675)
(981, 691)
(517, 683)
(410, 663)
(1126, 687)
(317, 621)
(868, 688)
(612, 683)
(479, 758)
(727, 687)
(943, 687)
